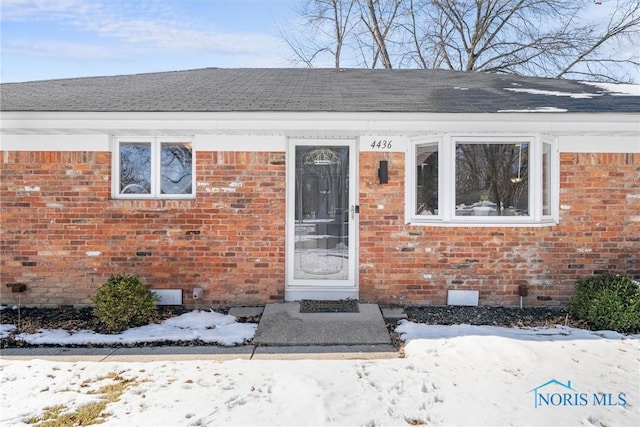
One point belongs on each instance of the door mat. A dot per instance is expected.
(325, 306)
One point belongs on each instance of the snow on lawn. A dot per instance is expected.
(452, 375)
(206, 326)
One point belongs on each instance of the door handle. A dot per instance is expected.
(355, 209)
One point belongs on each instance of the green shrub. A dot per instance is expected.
(124, 302)
(607, 302)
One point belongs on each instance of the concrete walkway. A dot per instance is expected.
(219, 353)
(283, 333)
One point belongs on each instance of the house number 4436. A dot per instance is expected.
(381, 144)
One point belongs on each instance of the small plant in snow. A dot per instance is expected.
(124, 302)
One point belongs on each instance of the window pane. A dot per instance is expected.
(427, 179)
(546, 179)
(176, 169)
(492, 179)
(135, 168)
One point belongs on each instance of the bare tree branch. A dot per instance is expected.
(325, 28)
(553, 38)
(371, 18)
(630, 21)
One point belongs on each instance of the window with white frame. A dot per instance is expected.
(482, 180)
(153, 168)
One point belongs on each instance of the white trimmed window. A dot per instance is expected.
(484, 180)
(153, 168)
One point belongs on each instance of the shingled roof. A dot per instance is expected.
(312, 90)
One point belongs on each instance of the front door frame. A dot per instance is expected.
(299, 289)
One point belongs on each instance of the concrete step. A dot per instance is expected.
(283, 325)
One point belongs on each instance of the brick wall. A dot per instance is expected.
(599, 231)
(63, 235)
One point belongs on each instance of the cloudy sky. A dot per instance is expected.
(48, 39)
(43, 39)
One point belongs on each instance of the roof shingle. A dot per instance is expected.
(312, 90)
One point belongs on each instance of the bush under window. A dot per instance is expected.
(608, 302)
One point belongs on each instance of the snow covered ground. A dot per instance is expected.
(206, 326)
(451, 375)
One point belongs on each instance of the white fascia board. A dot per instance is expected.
(598, 144)
(55, 143)
(294, 124)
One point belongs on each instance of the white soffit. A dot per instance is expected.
(253, 123)
(43, 131)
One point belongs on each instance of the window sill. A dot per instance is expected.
(441, 223)
(159, 199)
(152, 204)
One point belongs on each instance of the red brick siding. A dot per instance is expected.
(599, 231)
(57, 206)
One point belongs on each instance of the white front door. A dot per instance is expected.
(321, 220)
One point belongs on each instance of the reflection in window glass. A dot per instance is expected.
(546, 179)
(427, 179)
(175, 168)
(321, 212)
(492, 179)
(135, 168)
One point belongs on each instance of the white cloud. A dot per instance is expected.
(167, 36)
(147, 26)
(69, 50)
(47, 10)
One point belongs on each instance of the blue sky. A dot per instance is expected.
(48, 39)
(45, 39)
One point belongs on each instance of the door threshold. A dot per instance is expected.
(331, 294)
